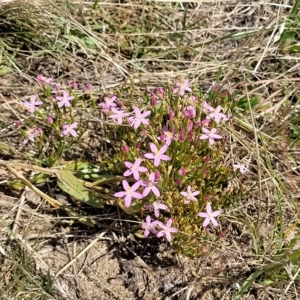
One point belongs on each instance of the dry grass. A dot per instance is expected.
(250, 48)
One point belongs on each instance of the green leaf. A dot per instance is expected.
(243, 103)
(74, 187)
(245, 286)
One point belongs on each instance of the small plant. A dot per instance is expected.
(172, 157)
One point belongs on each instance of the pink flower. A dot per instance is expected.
(109, 102)
(189, 112)
(171, 114)
(139, 118)
(242, 168)
(32, 134)
(181, 135)
(210, 135)
(190, 195)
(217, 115)
(157, 175)
(215, 86)
(206, 122)
(125, 148)
(118, 114)
(64, 100)
(166, 230)
(157, 205)
(206, 107)
(32, 103)
(167, 136)
(209, 215)
(49, 120)
(129, 192)
(182, 87)
(74, 85)
(69, 129)
(182, 171)
(43, 80)
(134, 168)
(150, 186)
(149, 226)
(157, 155)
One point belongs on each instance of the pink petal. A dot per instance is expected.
(208, 209)
(203, 215)
(137, 123)
(206, 222)
(136, 175)
(168, 236)
(127, 201)
(216, 213)
(142, 169)
(120, 194)
(155, 191)
(160, 234)
(214, 221)
(149, 155)
(156, 162)
(163, 149)
(169, 223)
(127, 173)
(205, 130)
(137, 195)
(165, 157)
(136, 186)
(153, 147)
(146, 191)
(146, 113)
(125, 185)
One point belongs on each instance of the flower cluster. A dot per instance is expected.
(169, 138)
(171, 155)
(63, 100)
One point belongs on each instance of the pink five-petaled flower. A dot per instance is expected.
(70, 129)
(210, 135)
(134, 168)
(150, 186)
(190, 195)
(157, 155)
(118, 114)
(166, 230)
(129, 192)
(209, 215)
(139, 118)
(157, 205)
(167, 136)
(149, 226)
(217, 115)
(242, 168)
(182, 87)
(64, 100)
(32, 103)
(108, 102)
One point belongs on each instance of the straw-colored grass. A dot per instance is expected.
(251, 48)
